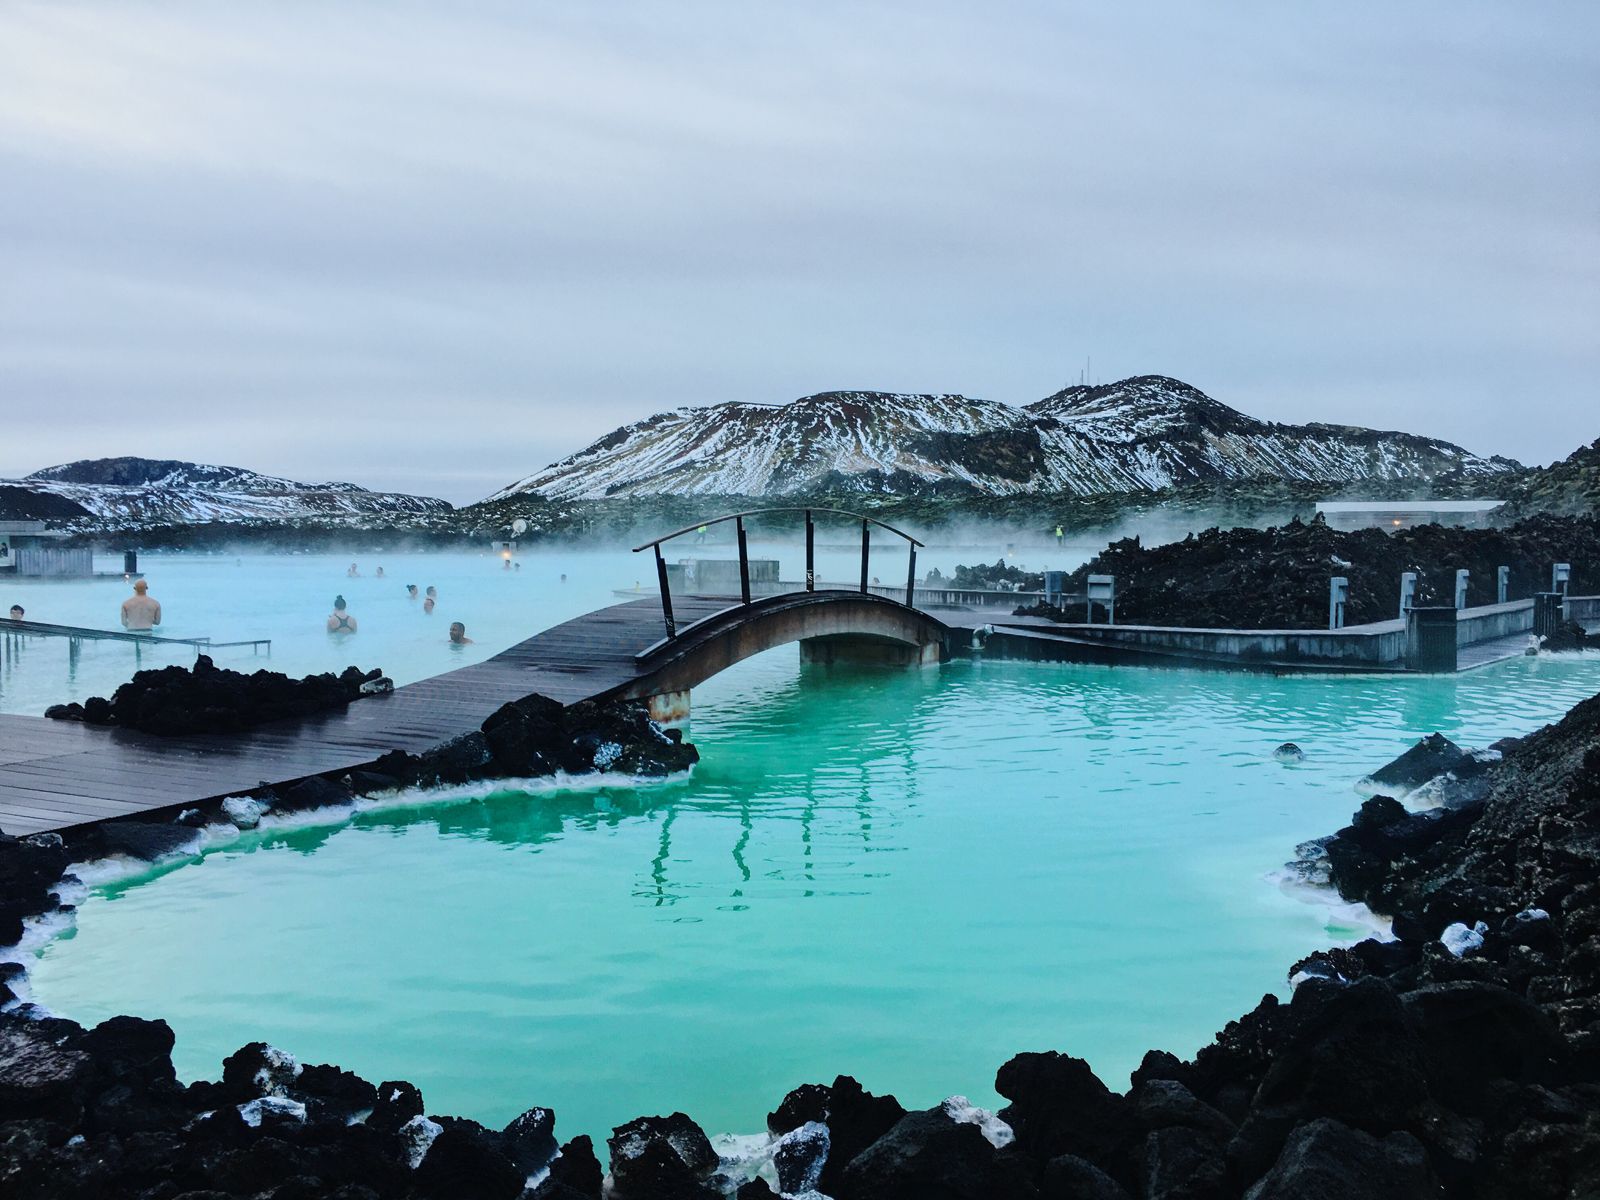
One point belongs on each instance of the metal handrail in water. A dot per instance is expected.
(811, 563)
(79, 633)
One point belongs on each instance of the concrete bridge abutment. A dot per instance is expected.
(852, 649)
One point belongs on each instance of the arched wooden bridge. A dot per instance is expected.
(55, 774)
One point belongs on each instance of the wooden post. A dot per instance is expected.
(744, 561)
(866, 549)
(911, 571)
(666, 593)
(811, 554)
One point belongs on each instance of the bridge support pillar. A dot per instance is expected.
(669, 708)
(855, 649)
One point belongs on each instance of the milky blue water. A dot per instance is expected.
(903, 875)
(287, 598)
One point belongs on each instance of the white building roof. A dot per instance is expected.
(1368, 506)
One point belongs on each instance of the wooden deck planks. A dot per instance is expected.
(56, 774)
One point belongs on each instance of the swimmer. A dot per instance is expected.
(427, 605)
(339, 621)
(141, 612)
(353, 573)
(16, 612)
(432, 592)
(411, 591)
(458, 634)
(563, 577)
(380, 572)
(518, 564)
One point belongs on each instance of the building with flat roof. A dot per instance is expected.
(27, 548)
(1401, 514)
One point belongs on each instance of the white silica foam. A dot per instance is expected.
(998, 1133)
(417, 1135)
(281, 1106)
(1347, 921)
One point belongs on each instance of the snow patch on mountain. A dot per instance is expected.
(1142, 433)
(122, 492)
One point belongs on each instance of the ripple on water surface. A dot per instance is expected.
(905, 876)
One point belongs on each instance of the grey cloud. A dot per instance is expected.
(433, 250)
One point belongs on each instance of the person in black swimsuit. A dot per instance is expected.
(339, 621)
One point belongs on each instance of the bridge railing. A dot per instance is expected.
(738, 519)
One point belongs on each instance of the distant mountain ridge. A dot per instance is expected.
(1137, 434)
(124, 492)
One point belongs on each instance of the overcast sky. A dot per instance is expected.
(433, 247)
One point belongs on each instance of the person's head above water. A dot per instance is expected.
(338, 604)
(411, 589)
(433, 592)
(427, 604)
(16, 612)
(458, 633)
(140, 586)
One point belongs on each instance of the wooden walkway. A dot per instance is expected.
(54, 774)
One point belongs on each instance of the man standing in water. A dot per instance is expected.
(141, 612)
(458, 634)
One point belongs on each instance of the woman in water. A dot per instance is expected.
(340, 621)
(427, 605)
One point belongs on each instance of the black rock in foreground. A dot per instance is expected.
(173, 701)
(1461, 1060)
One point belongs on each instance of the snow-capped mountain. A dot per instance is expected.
(1141, 433)
(122, 492)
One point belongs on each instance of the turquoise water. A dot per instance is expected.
(288, 597)
(905, 876)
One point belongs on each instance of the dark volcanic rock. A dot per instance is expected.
(577, 1169)
(661, 1158)
(397, 1102)
(466, 1160)
(149, 840)
(1476, 1033)
(854, 1117)
(930, 1156)
(1324, 1160)
(621, 737)
(526, 738)
(315, 792)
(1433, 756)
(1183, 1164)
(1247, 578)
(40, 1079)
(173, 701)
(131, 1049)
(799, 1157)
(529, 1139)
(459, 760)
(1059, 1106)
(1069, 1177)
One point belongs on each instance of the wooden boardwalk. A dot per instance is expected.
(54, 774)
